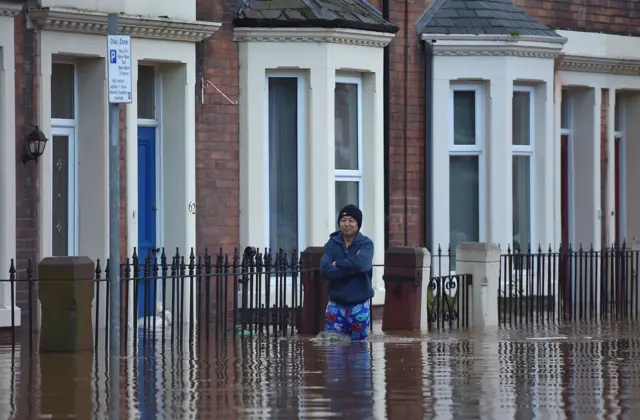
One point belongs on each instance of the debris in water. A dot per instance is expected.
(332, 336)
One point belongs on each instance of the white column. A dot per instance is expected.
(557, 164)
(549, 157)
(7, 169)
(131, 168)
(190, 150)
(500, 162)
(440, 149)
(44, 163)
(482, 261)
(611, 169)
(596, 174)
(321, 194)
(373, 177)
(253, 150)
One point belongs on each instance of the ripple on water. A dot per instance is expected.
(533, 372)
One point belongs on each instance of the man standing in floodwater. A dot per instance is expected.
(346, 262)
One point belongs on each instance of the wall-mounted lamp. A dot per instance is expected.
(34, 145)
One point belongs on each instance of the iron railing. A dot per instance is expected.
(200, 296)
(448, 301)
(544, 286)
(561, 285)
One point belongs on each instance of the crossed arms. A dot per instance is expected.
(344, 267)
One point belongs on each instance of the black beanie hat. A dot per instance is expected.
(353, 211)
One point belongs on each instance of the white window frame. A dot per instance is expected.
(157, 124)
(477, 149)
(568, 131)
(519, 150)
(350, 175)
(69, 127)
(302, 153)
(619, 135)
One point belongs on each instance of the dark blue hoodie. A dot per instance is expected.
(350, 278)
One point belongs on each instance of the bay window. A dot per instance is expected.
(466, 167)
(523, 166)
(348, 142)
(286, 177)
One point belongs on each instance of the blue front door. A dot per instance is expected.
(147, 209)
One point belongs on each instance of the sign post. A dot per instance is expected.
(120, 81)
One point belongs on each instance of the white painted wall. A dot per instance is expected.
(499, 74)
(185, 10)
(178, 145)
(7, 165)
(319, 62)
(598, 52)
(632, 149)
(594, 44)
(176, 141)
(93, 171)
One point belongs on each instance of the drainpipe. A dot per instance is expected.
(387, 130)
(428, 146)
(405, 128)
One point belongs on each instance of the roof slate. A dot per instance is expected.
(479, 17)
(355, 14)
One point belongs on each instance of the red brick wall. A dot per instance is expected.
(406, 227)
(618, 16)
(27, 200)
(217, 127)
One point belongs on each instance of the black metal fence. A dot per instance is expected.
(448, 301)
(561, 285)
(542, 286)
(174, 298)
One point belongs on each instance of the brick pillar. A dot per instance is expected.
(405, 303)
(315, 290)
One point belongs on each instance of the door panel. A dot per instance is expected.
(147, 208)
(60, 195)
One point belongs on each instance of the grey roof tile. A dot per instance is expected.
(494, 17)
(356, 14)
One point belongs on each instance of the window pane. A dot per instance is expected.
(617, 117)
(521, 119)
(464, 117)
(146, 92)
(346, 114)
(62, 91)
(464, 201)
(347, 192)
(564, 109)
(521, 202)
(283, 168)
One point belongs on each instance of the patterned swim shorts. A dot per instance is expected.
(352, 320)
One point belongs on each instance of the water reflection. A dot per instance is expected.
(559, 372)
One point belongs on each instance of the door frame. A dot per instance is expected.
(158, 177)
(69, 130)
(155, 123)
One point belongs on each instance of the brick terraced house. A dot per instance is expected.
(252, 121)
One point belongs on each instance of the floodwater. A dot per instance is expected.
(560, 372)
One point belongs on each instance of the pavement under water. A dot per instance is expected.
(552, 372)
